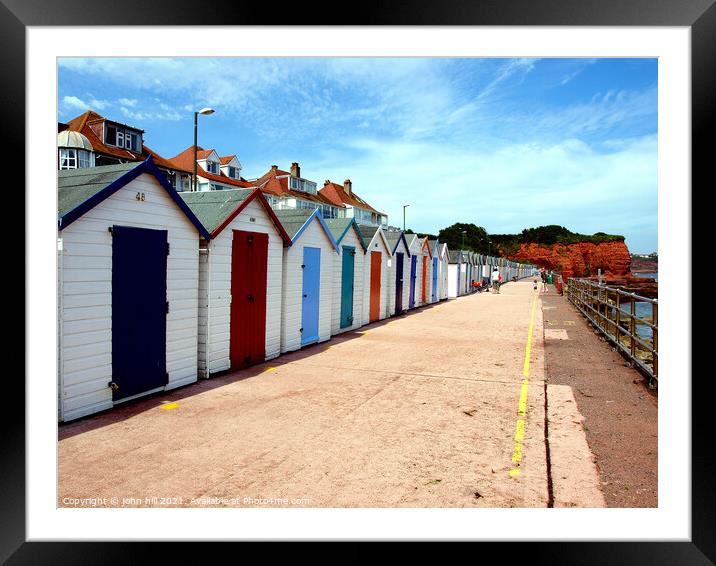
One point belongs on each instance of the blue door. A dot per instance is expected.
(347, 274)
(413, 273)
(139, 310)
(399, 283)
(435, 279)
(311, 295)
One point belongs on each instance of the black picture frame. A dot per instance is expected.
(700, 15)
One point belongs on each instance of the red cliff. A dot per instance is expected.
(579, 260)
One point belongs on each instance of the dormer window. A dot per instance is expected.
(123, 137)
(298, 184)
(233, 172)
(212, 167)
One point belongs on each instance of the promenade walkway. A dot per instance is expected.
(439, 408)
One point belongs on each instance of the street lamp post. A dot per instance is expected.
(205, 112)
(404, 207)
(463, 238)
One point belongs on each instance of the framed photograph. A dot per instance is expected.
(422, 155)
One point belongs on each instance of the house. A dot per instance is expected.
(91, 140)
(128, 276)
(347, 310)
(240, 272)
(399, 271)
(213, 172)
(288, 190)
(307, 293)
(437, 270)
(351, 205)
(375, 272)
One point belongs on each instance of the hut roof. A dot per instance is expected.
(80, 190)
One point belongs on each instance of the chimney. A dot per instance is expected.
(326, 182)
(295, 170)
(274, 168)
(348, 187)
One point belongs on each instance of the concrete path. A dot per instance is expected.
(422, 410)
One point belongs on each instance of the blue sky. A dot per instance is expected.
(504, 143)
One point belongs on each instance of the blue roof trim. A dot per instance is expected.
(317, 214)
(146, 166)
(353, 225)
(405, 242)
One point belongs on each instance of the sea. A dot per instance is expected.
(643, 310)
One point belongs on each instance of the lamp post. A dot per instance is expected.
(404, 207)
(205, 112)
(463, 238)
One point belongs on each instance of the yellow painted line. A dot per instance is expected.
(169, 406)
(270, 369)
(522, 407)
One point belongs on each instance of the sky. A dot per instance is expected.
(506, 144)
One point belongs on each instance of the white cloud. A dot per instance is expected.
(131, 102)
(74, 103)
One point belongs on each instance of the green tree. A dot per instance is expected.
(476, 238)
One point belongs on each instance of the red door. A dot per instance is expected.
(249, 254)
(375, 261)
(425, 275)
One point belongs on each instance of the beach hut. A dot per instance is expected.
(434, 246)
(347, 309)
(399, 272)
(240, 271)
(375, 273)
(443, 263)
(420, 289)
(307, 289)
(454, 273)
(128, 273)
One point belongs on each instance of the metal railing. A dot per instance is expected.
(602, 306)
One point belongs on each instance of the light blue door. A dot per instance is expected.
(435, 279)
(311, 295)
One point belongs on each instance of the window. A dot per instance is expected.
(212, 167)
(71, 158)
(233, 172)
(302, 185)
(121, 137)
(329, 211)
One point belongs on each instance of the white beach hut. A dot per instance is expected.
(375, 273)
(240, 271)
(307, 290)
(128, 275)
(399, 273)
(347, 306)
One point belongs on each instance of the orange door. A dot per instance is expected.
(375, 260)
(425, 275)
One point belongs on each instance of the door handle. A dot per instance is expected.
(251, 298)
(305, 295)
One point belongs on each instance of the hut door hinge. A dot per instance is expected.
(167, 307)
(166, 376)
(167, 248)
(110, 231)
(300, 329)
(303, 266)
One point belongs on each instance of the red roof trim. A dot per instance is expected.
(255, 194)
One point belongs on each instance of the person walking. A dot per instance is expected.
(543, 274)
(495, 280)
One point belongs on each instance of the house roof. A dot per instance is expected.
(296, 221)
(80, 190)
(337, 195)
(185, 161)
(275, 182)
(216, 209)
(339, 228)
(82, 124)
(227, 159)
